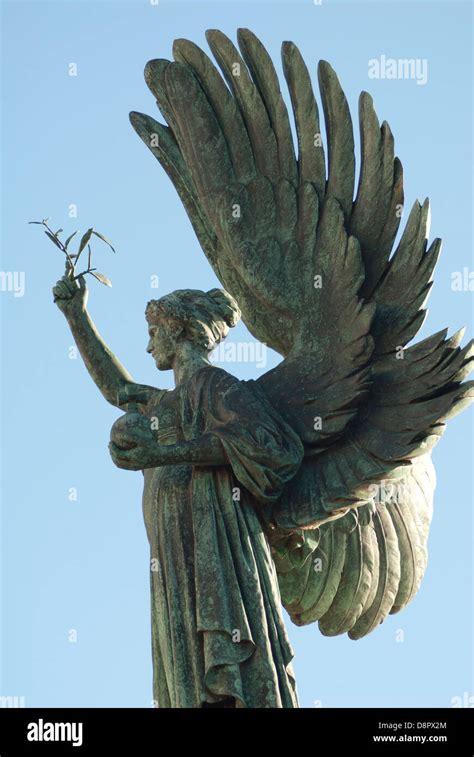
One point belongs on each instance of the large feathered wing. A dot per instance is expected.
(314, 274)
(352, 571)
(272, 226)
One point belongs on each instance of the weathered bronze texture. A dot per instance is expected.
(311, 487)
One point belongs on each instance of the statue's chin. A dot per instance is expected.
(162, 365)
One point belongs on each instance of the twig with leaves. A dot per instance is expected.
(72, 260)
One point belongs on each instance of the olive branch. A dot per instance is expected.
(73, 259)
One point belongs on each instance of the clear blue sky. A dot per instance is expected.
(83, 564)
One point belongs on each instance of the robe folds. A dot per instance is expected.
(217, 624)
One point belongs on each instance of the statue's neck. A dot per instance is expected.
(188, 360)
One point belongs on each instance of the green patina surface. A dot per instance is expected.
(311, 487)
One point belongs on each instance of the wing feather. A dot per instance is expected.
(389, 576)
(266, 80)
(311, 160)
(160, 140)
(372, 205)
(412, 550)
(325, 576)
(340, 138)
(356, 581)
(404, 287)
(249, 101)
(224, 106)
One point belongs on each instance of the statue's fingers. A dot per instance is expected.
(134, 461)
(62, 291)
(118, 455)
(113, 455)
(71, 285)
(67, 290)
(124, 458)
(123, 439)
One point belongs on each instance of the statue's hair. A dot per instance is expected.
(205, 316)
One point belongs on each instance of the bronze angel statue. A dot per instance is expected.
(311, 487)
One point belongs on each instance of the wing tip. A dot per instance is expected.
(215, 36)
(137, 119)
(245, 34)
(366, 99)
(181, 46)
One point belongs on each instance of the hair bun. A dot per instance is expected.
(226, 305)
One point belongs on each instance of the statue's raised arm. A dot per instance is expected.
(112, 379)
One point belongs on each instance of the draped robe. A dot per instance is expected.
(217, 625)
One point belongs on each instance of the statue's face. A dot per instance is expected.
(162, 343)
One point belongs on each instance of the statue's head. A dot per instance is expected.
(202, 319)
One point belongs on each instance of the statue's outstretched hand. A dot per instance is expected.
(70, 295)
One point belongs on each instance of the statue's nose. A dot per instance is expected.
(149, 347)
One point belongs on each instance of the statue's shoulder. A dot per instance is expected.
(209, 381)
(212, 374)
